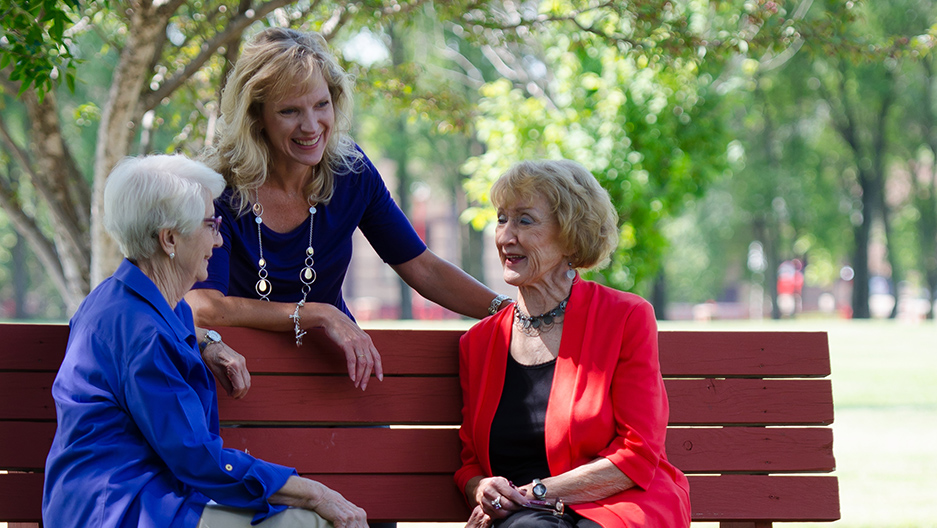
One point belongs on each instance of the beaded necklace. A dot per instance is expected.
(307, 275)
(536, 324)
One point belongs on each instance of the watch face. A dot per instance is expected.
(213, 336)
(540, 490)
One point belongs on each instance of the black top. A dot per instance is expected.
(518, 448)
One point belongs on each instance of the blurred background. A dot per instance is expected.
(774, 164)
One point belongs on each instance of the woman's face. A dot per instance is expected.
(194, 250)
(298, 127)
(528, 243)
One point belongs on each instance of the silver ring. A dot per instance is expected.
(496, 504)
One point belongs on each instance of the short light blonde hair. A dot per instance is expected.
(587, 219)
(279, 63)
(146, 194)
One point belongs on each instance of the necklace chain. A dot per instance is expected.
(536, 324)
(307, 275)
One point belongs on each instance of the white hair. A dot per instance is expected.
(146, 194)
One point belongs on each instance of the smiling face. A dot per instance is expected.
(528, 243)
(194, 250)
(298, 127)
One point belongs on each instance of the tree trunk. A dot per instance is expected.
(62, 188)
(860, 258)
(925, 195)
(20, 278)
(400, 144)
(120, 119)
(659, 295)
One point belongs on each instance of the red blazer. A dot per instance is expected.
(607, 400)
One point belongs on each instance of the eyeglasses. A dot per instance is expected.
(214, 223)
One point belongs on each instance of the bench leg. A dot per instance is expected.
(735, 524)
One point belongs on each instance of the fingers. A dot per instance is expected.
(498, 498)
(361, 357)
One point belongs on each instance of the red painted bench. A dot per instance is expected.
(749, 421)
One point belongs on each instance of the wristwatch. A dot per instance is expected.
(211, 337)
(540, 489)
(496, 303)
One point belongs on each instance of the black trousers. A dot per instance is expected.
(542, 519)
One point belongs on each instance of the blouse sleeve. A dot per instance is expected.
(384, 225)
(639, 399)
(172, 415)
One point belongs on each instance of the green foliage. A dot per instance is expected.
(35, 44)
(648, 131)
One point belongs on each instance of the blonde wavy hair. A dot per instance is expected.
(279, 63)
(588, 221)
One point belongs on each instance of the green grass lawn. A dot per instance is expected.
(885, 429)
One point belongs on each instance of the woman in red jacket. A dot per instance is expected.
(565, 412)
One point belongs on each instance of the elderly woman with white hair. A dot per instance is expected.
(138, 442)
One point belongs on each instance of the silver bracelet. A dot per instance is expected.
(496, 303)
(297, 329)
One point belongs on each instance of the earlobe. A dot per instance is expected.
(167, 241)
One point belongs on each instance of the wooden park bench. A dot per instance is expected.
(750, 416)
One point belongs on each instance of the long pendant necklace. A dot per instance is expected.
(307, 275)
(536, 324)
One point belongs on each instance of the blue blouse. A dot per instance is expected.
(137, 442)
(360, 200)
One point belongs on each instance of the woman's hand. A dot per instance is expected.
(360, 355)
(300, 492)
(478, 519)
(498, 498)
(229, 368)
(332, 506)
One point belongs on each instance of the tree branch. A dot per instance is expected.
(231, 33)
(40, 244)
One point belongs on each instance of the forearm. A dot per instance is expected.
(590, 482)
(447, 285)
(299, 492)
(211, 308)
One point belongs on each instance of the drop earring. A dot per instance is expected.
(570, 273)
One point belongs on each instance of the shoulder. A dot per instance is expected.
(617, 301)
(483, 330)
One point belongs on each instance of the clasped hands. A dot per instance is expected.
(497, 498)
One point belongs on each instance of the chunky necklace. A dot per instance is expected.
(535, 324)
(307, 275)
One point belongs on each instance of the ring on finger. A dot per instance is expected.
(496, 504)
